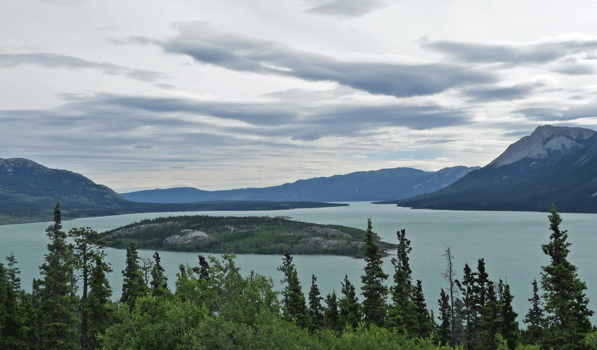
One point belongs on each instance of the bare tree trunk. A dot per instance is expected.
(449, 276)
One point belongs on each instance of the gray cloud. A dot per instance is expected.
(136, 40)
(278, 118)
(534, 53)
(576, 69)
(519, 134)
(49, 60)
(246, 54)
(560, 113)
(488, 94)
(345, 8)
(540, 113)
(108, 124)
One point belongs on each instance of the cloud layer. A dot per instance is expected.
(144, 94)
(246, 54)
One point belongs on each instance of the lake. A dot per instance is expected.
(510, 243)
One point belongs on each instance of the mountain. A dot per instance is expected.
(385, 184)
(29, 191)
(28, 188)
(552, 165)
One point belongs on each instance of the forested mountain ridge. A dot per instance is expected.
(384, 184)
(552, 165)
(29, 189)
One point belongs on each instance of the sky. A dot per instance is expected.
(145, 94)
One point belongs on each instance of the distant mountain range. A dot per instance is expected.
(376, 185)
(553, 165)
(29, 191)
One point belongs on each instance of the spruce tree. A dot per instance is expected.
(467, 289)
(402, 313)
(133, 285)
(331, 315)
(508, 324)
(350, 309)
(481, 285)
(293, 300)
(315, 307)
(444, 328)
(12, 273)
(566, 306)
(88, 245)
(159, 282)
(8, 312)
(424, 321)
(57, 317)
(98, 306)
(14, 310)
(491, 322)
(374, 290)
(534, 318)
(203, 269)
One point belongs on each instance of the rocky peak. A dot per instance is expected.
(544, 142)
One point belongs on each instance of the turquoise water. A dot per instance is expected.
(510, 242)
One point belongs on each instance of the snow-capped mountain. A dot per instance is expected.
(552, 165)
(544, 142)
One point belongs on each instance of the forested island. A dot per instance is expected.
(242, 235)
(212, 306)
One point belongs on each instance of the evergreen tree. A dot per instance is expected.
(508, 325)
(133, 285)
(534, 318)
(57, 315)
(402, 313)
(88, 245)
(350, 309)
(467, 288)
(331, 315)
(315, 307)
(203, 269)
(8, 312)
(99, 308)
(566, 313)
(424, 321)
(13, 308)
(36, 325)
(12, 273)
(159, 282)
(444, 329)
(480, 287)
(293, 300)
(374, 290)
(491, 322)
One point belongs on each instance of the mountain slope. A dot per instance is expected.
(382, 184)
(553, 165)
(28, 188)
(29, 191)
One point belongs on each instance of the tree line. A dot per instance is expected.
(212, 306)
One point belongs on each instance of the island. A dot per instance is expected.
(242, 235)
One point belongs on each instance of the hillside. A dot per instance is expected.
(29, 191)
(382, 184)
(241, 235)
(552, 165)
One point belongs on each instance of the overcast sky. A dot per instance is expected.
(146, 94)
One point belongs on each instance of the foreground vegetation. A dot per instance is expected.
(212, 306)
(241, 235)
